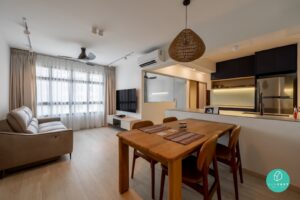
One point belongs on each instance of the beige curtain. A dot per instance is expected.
(22, 88)
(110, 92)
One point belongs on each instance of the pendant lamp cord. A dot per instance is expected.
(186, 16)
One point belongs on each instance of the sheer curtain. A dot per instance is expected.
(71, 90)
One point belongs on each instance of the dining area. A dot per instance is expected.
(188, 153)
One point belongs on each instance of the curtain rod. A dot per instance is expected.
(43, 54)
(57, 57)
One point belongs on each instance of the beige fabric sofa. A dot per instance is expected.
(25, 139)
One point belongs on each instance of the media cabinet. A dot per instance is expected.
(121, 122)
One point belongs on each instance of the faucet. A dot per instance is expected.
(261, 104)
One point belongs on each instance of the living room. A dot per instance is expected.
(149, 100)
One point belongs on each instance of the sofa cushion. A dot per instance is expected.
(51, 126)
(33, 126)
(19, 119)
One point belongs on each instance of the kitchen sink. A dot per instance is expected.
(268, 114)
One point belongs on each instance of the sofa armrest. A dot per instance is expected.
(18, 149)
(48, 119)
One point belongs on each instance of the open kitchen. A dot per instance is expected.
(260, 92)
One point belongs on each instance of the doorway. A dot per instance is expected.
(197, 95)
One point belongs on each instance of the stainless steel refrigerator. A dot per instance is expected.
(278, 93)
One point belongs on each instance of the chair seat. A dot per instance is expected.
(223, 153)
(190, 172)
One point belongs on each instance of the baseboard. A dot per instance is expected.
(261, 176)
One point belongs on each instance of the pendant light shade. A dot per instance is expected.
(187, 46)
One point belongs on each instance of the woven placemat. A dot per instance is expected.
(154, 129)
(184, 137)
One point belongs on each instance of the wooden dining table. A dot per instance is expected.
(165, 151)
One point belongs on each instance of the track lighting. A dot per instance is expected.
(121, 58)
(27, 33)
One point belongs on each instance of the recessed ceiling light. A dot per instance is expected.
(97, 31)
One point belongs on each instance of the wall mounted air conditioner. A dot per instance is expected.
(153, 58)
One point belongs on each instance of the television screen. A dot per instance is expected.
(127, 100)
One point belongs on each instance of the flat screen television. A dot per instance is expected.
(127, 100)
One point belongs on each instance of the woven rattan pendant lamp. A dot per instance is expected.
(187, 46)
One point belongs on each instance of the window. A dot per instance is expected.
(68, 92)
(160, 88)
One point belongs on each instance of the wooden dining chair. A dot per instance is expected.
(137, 154)
(169, 119)
(195, 171)
(230, 155)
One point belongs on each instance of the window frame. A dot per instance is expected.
(71, 82)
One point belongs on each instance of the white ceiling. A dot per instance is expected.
(60, 27)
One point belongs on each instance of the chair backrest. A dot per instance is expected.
(142, 124)
(169, 119)
(234, 137)
(207, 153)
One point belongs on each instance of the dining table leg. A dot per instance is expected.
(175, 179)
(123, 167)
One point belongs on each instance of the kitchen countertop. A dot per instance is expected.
(241, 114)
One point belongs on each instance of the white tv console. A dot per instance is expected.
(124, 122)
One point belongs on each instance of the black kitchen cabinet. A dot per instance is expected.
(235, 68)
(276, 61)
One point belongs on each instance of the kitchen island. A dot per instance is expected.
(266, 142)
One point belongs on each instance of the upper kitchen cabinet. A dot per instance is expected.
(276, 61)
(235, 68)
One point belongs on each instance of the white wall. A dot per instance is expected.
(4, 78)
(129, 75)
(156, 111)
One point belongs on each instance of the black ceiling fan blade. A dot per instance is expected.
(149, 77)
(84, 56)
(153, 77)
(91, 56)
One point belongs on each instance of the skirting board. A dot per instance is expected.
(252, 173)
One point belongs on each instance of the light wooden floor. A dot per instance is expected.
(93, 174)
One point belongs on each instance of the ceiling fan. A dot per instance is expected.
(149, 77)
(83, 57)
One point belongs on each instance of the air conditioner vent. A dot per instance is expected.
(148, 63)
(152, 58)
